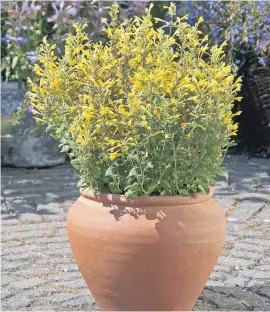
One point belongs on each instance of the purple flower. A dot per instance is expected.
(237, 62)
(250, 17)
(242, 51)
(32, 57)
(71, 11)
(207, 13)
(122, 16)
(29, 109)
(251, 38)
(30, 10)
(77, 4)
(259, 32)
(191, 19)
(99, 12)
(258, 46)
(19, 108)
(215, 15)
(17, 29)
(62, 14)
(218, 5)
(167, 17)
(178, 9)
(215, 32)
(7, 38)
(21, 41)
(234, 31)
(262, 61)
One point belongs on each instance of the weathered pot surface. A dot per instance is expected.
(24, 144)
(146, 254)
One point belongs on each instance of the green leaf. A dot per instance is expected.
(131, 193)
(4, 65)
(95, 171)
(132, 172)
(109, 172)
(134, 185)
(114, 188)
(81, 182)
(223, 173)
(65, 149)
(151, 187)
(211, 180)
(184, 192)
(14, 62)
(203, 188)
(75, 163)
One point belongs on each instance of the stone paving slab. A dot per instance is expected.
(39, 273)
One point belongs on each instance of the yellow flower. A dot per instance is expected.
(149, 34)
(56, 85)
(80, 139)
(174, 117)
(203, 83)
(236, 114)
(97, 129)
(185, 124)
(38, 70)
(172, 40)
(157, 112)
(238, 98)
(109, 32)
(114, 155)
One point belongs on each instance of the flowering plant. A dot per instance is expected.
(245, 25)
(146, 113)
(24, 25)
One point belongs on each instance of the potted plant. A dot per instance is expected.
(147, 116)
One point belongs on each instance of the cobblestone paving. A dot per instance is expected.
(39, 274)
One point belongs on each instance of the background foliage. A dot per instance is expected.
(26, 23)
(245, 25)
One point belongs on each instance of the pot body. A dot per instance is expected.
(25, 144)
(147, 254)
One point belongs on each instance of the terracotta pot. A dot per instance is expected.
(146, 254)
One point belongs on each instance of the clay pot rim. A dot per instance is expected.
(117, 199)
